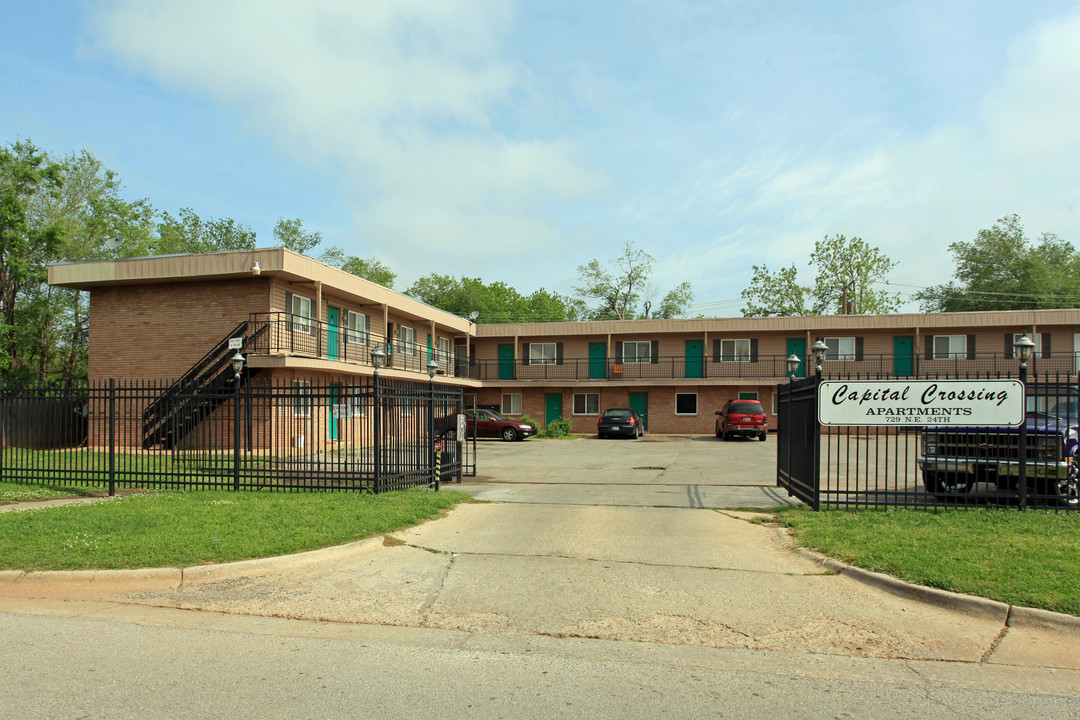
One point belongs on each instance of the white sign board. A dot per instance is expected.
(341, 411)
(236, 343)
(921, 402)
(461, 427)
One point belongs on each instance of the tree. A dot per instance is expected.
(616, 289)
(371, 269)
(189, 233)
(495, 302)
(1001, 269)
(846, 270)
(25, 246)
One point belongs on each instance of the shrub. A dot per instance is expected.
(558, 428)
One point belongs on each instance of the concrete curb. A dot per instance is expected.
(1009, 615)
(146, 579)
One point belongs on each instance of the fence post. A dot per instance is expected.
(377, 447)
(1021, 480)
(112, 437)
(236, 432)
(3, 440)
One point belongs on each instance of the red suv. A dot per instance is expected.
(742, 417)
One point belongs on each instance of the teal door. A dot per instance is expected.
(640, 402)
(552, 408)
(903, 356)
(798, 347)
(695, 359)
(506, 362)
(332, 333)
(597, 361)
(333, 422)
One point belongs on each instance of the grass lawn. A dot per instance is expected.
(181, 529)
(1023, 558)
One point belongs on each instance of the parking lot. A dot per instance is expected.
(653, 471)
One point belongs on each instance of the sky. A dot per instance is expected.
(516, 141)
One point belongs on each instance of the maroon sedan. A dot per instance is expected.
(488, 423)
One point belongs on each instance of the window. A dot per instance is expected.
(636, 352)
(686, 403)
(734, 351)
(542, 354)
(949, 347)
(302, 398)
(776, 403)
(443, 350)
(356, 325)
(358, 401)
(586, 403)
(300, 312)
(511, 404)
(840, 348)
(406, 344)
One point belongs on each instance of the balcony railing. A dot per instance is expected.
(304, 337)
(766, 367)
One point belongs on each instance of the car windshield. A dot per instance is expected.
(617, 413)
(1062, 407)
(750, 408)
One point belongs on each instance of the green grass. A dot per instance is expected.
(18, 492)
(1023, 558)
(181, 529)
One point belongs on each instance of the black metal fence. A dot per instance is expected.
(1034, 465)
(362, 434)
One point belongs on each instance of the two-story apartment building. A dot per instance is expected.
(299, 319)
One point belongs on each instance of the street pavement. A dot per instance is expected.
(589, 560)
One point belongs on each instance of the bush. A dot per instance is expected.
(558, 429)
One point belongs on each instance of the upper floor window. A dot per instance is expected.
(840, 348)
(443, 349)
(300, 311)
(542, 354)
(734, 351)
(636, 352)
(406, 344)
(356, 327)
(950, 347)
(1037, 338)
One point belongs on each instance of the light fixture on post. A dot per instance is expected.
(432, 369)
(819, 349)
(237, 362)
(256, 268)
(1023, 347)
(793, 363)
(471, 317)
(378, 357)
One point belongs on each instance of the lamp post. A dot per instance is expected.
(237, 362)
(1024, 347)
(378, 355)
(434, 456)
(819, 349)
(793, 363)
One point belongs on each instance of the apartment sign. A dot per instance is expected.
(921, 402)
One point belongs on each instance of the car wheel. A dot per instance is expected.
(1066, 490)
(762, 437)
(637, 433)
(946, 486)
(509, 434)
(717, 432)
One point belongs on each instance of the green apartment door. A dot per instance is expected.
(597, 360)
(903, 356)
(332, 334)
(640, 402)
(334, 421)
(552, 408)
(506, 362)
(798, 347)
(695, 359)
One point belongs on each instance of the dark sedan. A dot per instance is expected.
(488, 423)
(620, 421)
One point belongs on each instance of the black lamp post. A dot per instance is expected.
(819, 349)
(1024, 347)
(237, 362)
(378, 355)
(433, 457)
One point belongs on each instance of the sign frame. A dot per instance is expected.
(920, 403)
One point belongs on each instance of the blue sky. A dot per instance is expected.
(515, 141)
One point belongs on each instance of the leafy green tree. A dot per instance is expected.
(371, 269)
(188, 233)
(495, 302)
(1002, 269)
(675, 303)
(620, 289)
(26, 245)
(847, 269)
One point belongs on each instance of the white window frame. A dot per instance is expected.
(543, 353)
(406, 340)
(951, 353)
(356, 401)
(840, 348)
(735, 350)
(443, 350)
(302, 399)
(590, 404)
(300, 314)
(637, 357)
(356, 328)
(510, 401)
(693, 395)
